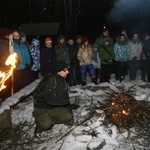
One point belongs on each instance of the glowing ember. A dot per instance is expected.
(11, 60)
(124, 112)
(113, 103)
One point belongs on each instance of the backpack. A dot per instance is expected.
(39, 90)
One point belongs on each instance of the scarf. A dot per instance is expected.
(135, 41)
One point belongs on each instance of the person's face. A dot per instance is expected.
(48, 44)
(16, 35)
(124, 33)
(70, 41)
(147, 37)
(106, 33)
(95, 48)
(135, 36)
(64, 73)
(122, 38)
(23, 39)
(86, 43)
(62, 41)
(107, 43)
(36, 46)
(79, 40)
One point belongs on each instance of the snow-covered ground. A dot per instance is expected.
(88, 133)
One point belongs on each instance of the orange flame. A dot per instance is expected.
(11, 60)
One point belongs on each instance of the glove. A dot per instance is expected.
(107, 61)
(134, 58)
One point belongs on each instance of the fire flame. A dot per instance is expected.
(11, 60)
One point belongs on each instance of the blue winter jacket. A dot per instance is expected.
(122, 52)
(23, 55)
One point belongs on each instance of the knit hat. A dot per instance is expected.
(105, 29)
(3, 33)
(48, 39)
(60, 66)
(85, 40)
(79, 37)
(95, 46)
(23, 34)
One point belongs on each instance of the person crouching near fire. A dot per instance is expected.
(51, 98)
(85, 55)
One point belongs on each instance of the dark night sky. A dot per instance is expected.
(134, 15)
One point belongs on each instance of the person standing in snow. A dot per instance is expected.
(122, 54)
(47, 57)
(35, 54)
(143, 60)
(61, 49)
(72, 50)
(51, 99)
(134, 59)
(21, 74)
(24, 38)
(100, 39)
(85, 55)
(146, 49)
(96, 62)
(106, 54)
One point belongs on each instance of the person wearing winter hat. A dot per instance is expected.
(106, 55)
(105, 34)
(78, 41)
(4, 54)
(84, 55)
(4, 47)
(23, 36)
(51, 98)
(47, 57)
(61, 48)
(35, 54)
(96, 62)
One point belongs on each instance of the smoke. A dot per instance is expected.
(131, 14)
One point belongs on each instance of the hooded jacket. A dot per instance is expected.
(23, 55)
(62, 53)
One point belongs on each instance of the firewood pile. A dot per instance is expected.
(124, 111)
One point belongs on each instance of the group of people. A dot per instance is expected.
(67, 63)
(104, 57)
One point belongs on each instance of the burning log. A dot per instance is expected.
(11, 61)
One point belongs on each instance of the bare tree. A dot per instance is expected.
(71, 8)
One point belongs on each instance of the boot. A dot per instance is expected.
(83, 83)
(94, 80)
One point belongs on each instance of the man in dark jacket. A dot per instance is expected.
(51, 97)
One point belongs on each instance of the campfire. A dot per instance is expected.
(11, 61)
(124, 111)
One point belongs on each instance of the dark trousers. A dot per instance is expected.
(120, 70)
(46, 118)
(143, 64)
(105, 72)
(134, 65)
(21, 79)
(72, 75)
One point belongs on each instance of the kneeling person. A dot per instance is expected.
(51, 97)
